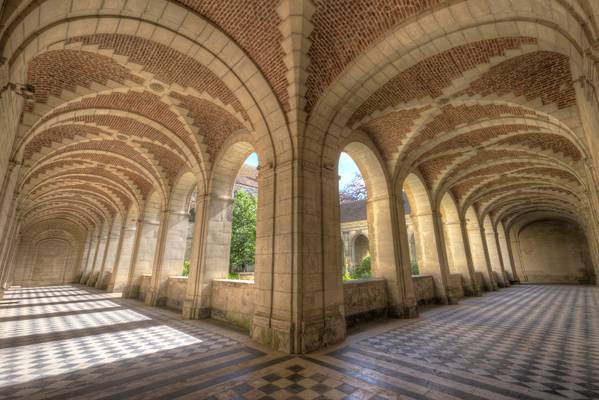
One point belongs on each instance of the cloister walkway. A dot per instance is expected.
(525, 342)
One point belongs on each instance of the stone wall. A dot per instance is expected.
(424, 288)
(233, 301)
(144, 284)
(365, 299)
(175, 292)
(554, 252)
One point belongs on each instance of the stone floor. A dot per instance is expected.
(525, 342)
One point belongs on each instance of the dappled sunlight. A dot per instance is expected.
(98, 349)
(11, 312)
(48, 325)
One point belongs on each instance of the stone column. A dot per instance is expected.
(210, 252)
(430, 256)
(299, 292)
(86, 255)
(125, 253)
(504, 262)
(98, 255)
(477, 252)
(494, 259)
(93, 251)
(7, 266)
(489, 269)
(462, 260)
(130, 268)
(156, 281)
(510, 252)
(107, 254)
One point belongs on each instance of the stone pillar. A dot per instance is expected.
(494, 258)
(157, 280)
(7, 265)
(510, 252)
(120, 271)
(460, 257)
(487, 262)
(98, 255)
(107, 253)
(390, 254)
(210, 252)
(299, 292)
(502, 253)
(86, 255)
(479, 260)
(431, 259)
(129, 287)
(92, 256)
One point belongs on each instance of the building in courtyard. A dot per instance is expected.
(124, 129)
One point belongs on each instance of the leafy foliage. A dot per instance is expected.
(185, 268)
(362, 271)
(243, 239)
(354, 190)
(414, 267)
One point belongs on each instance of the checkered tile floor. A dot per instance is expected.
(524, 342)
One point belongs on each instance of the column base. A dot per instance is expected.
(282, 335)
(190, 312)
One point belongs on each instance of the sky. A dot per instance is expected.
(347, 170)
(252, 160)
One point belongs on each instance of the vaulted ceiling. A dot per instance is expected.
(472, 96)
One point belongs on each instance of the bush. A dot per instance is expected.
(233, 276)
(185, 268)
(414, 267)
(363, 270)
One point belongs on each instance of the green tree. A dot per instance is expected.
(243, 239)
(363, 270)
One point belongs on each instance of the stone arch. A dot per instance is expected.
(210, 256)
(360, 248)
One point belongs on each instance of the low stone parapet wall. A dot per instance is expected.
(365, 299)
(424, 287)
(233, 301)
(175, 292)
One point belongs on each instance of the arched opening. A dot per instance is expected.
(427, 253)
(361, 211)
(353, 209)
(191, 211)
(242, 253)
(177, 231)
(479, 259)
(222, 270)
(361, 250)
(414, 270)
(454, 242)
(494, 256)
